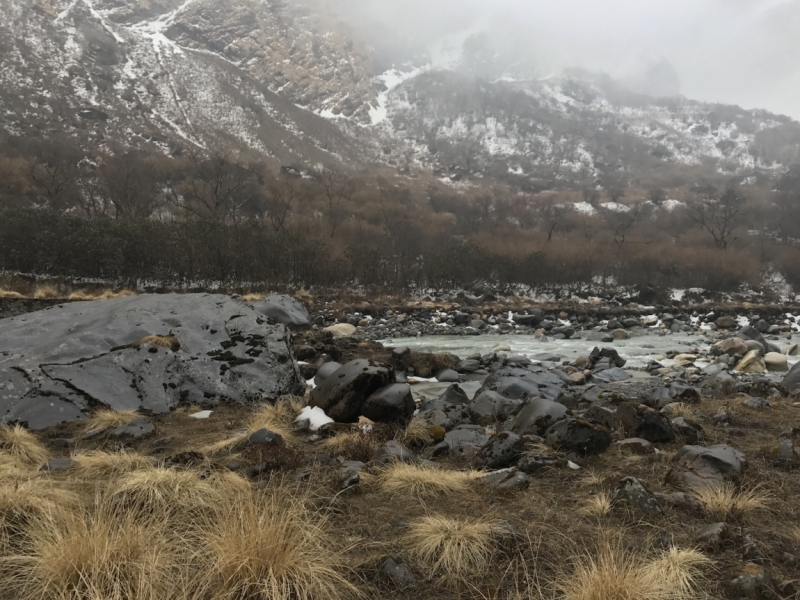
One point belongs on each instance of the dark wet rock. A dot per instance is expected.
(641, 421)
(500, 451)
(689, 430)
(448, 376)
(343, 394)
(468, 366)
(637, 446)
(713, 537)
(55, 465)
(612, 375)
(136, 429)
(72, 356)
(535, 317)
(516, 382)
(510, 478)
(399, 573)
(602, 416)
(284, 310)
(752, 582)
(305, 352)
(698, 466)
(326, 370)
(393, 452)
(391, 404)
(264, 437)
(597, 354)
(752, 334)
(536, 415)
(578, 436)
(792, 380)
(531, 463)
(454, 394)
(465, 441)
(631, 492)
(307, 371)
(490, 405)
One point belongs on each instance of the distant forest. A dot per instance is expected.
(209, 217)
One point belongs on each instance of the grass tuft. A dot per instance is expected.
(726, 503)
(353, 445)
(597, 506)
(164, 491)
(23, 447)
(98, 465)
(270, 547)
(106, 418)
(4, 293)
(46, 292)
(160, 341)
(253, 297)
(423, 481)
(455, 549)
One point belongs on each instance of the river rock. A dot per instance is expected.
(284, 310)
(343, 394)
(731, 347)
(752, 362)
(517, 381)
(792, 380)
(57, 362)
(325, 371)
(500, 451)
(390, 404)
(641, 421)
(726, 322)
(341, 330)
(463, 442)
(698, 466)
(536, 415)
(530, 320)
(578, 436)
(752, 334)
(489, 405)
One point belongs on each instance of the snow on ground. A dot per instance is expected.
(316, 417)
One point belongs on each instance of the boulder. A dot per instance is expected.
(468, 366)
(390, 404)
(146, 352)
(343, 394)
(698, 466)
(325, 371)
(637, 446)
(731, 347)
(488, 405)
(136, 429)
(530, 320)
(713, 537)
(517, 381)
(341, 330)
(464, 441)
(631, 492)
(752, 334)
(447, 376)
(536, 415)
(500, 451)
(638, 420)
(578, 436)
(284, 310)
(726, 322)
(752, 362)
(612, 375)
(792, 380)
(689, 430)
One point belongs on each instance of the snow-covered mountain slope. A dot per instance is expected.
(290, 83)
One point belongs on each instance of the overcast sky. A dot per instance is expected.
(743, 52)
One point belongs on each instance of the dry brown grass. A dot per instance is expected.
(46, 292)
(160, 341)
(615, 573)
(422, 481)
(727, 503)
(416, 434)
(124, 293)
(106, 418)
(82, 296)
(24, 496)
(353, 445)
(4, 293)
(687, 411)
(597, 506)
(22, 446)
(270, 547)
(253, 297)
(454, 549)
(165, 491)
(92, 555)
(99, 465)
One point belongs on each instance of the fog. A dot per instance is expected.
(734, 51)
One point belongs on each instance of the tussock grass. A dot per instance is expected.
(615, 573)
(253, 297)
(92, 555)
(727, 503)
(270, 547)
(416, 434)
(124, 293)
(597, 506)
(106, 418)
(81, 295)
(22, 446)
(164, 491)
(423, 481)
(591, 479)
(4, 293)
(99, 465)
(46, 292)
(454, 549)
(23, 497)
(687, 411)
(160, 341)
(353, 445)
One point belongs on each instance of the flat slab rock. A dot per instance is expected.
(57, 363)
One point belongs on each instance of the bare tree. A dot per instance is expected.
(54, 172)
(337, 190)
(282, 195)
(623, 222)
(720, 217)
(552, 217)
(218, 188)
(132, 186)
(786, 210)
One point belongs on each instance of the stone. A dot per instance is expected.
(468, 366)
(689, 430)
(343, 394)
(147, 352)
(776, 362)
(325, 371)
(793, 350)
(501, 348)
(752, 334)
(631, 492)
(752, 362)
(602, 416)
(341, 330)
(620, 334)
(676, 392)
(448, 376)
(465, 441)
(731, 346)
(284, 310)
(56, 465)
(755, 402)
(536, 415)
(510, 478)
(713, 537)
(517, 381)
(393, 451)
(726, 322)
(136, 429)
(612, 375)
(578, 436)
(390, 404)
(641, 421)
(399, 573)
(752, 582)
(698, 466)
(531, 463)
(489, 405)
(500, 451)
(264, 436)
(792, 380)
(637, 446)
(529, 320)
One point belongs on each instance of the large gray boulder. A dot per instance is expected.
(56, 363)
(343, 394)
(390, 404)
(533, 380)
(284, 310)
(698, 466)
(792, 379)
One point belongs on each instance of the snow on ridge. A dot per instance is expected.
(390, 79)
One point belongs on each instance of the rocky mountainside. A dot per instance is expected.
(292, 83)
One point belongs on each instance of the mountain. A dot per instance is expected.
(292, 83)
